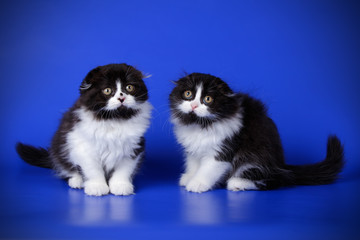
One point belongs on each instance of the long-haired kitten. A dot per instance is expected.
(100, 140)
(229, 138)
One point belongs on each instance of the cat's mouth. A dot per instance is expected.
(192, 114)
(195, 114)
(123, 106)
(121, 112)
(116, 107)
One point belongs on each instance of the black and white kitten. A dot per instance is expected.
(229, 138)
(100, 140)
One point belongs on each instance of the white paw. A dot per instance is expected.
(240, 184)
(96, 188)
(121, 188)
(197, 186)
(76, 182)
(185, 178)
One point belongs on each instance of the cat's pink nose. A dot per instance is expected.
(193, 106)
(121, 99)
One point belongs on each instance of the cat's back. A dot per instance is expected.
(252, 108)
(258, 130)
(67, 123)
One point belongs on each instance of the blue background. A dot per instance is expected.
(300, 57)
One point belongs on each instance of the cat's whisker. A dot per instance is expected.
(142, 95)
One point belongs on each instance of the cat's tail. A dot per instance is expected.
(35, 156)
(324, 172)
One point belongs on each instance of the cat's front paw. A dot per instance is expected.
(96, 188)
(76, 182)
(240, 184)
(184, 180)
(197, 186)
(121, 188)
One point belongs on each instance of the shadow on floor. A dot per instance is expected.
(161, 169)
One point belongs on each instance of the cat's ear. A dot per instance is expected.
(185, 76)
(88, 80)
(225, 90)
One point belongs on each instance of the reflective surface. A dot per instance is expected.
(300, 57)
(37, 205)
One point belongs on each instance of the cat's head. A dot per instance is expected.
(113, 91)
(202, 99)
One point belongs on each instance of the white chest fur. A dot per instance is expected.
(106, 141)
(201, 142)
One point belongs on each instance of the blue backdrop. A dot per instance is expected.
(302, 58)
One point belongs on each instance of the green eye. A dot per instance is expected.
(107, 91)
(188, 94)
(208, 100)
(130, 88)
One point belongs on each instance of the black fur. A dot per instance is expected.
(92, 98)
(34, 156)
(323, 172)
(257, 142)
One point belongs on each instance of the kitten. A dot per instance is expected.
(229, 138)
(100, 140)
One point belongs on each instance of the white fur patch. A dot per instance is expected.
(201, 142)
(240, 184)
(201, 109)
(191, 166)
(114, 102)
(121, 188)
(210, 171)
(201, 146)
(76, 181)
(98, 145)
(96, 188)
(120, 182)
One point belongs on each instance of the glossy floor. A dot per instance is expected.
(37, 205)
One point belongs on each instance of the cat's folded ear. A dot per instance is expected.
(225, 90)
(88, 80)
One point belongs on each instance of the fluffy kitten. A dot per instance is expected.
(229, 138)
(100, 143)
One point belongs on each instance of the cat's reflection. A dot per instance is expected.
(213, 208)
(202, 208)
(240, 205)
(87, 210)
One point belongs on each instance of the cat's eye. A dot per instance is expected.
(107, 91)
(188, 94)
(208, 100)
(130, 88)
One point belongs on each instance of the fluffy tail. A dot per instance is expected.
(35, 156)
(324, 172)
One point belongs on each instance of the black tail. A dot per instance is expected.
(35, 156)
(324, 172)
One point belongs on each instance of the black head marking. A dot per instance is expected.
(93, 98)
(224, 102)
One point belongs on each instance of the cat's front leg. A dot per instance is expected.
(92, 170)
(208, 174)
(95, 182)
(120, 182)
(192, 164)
